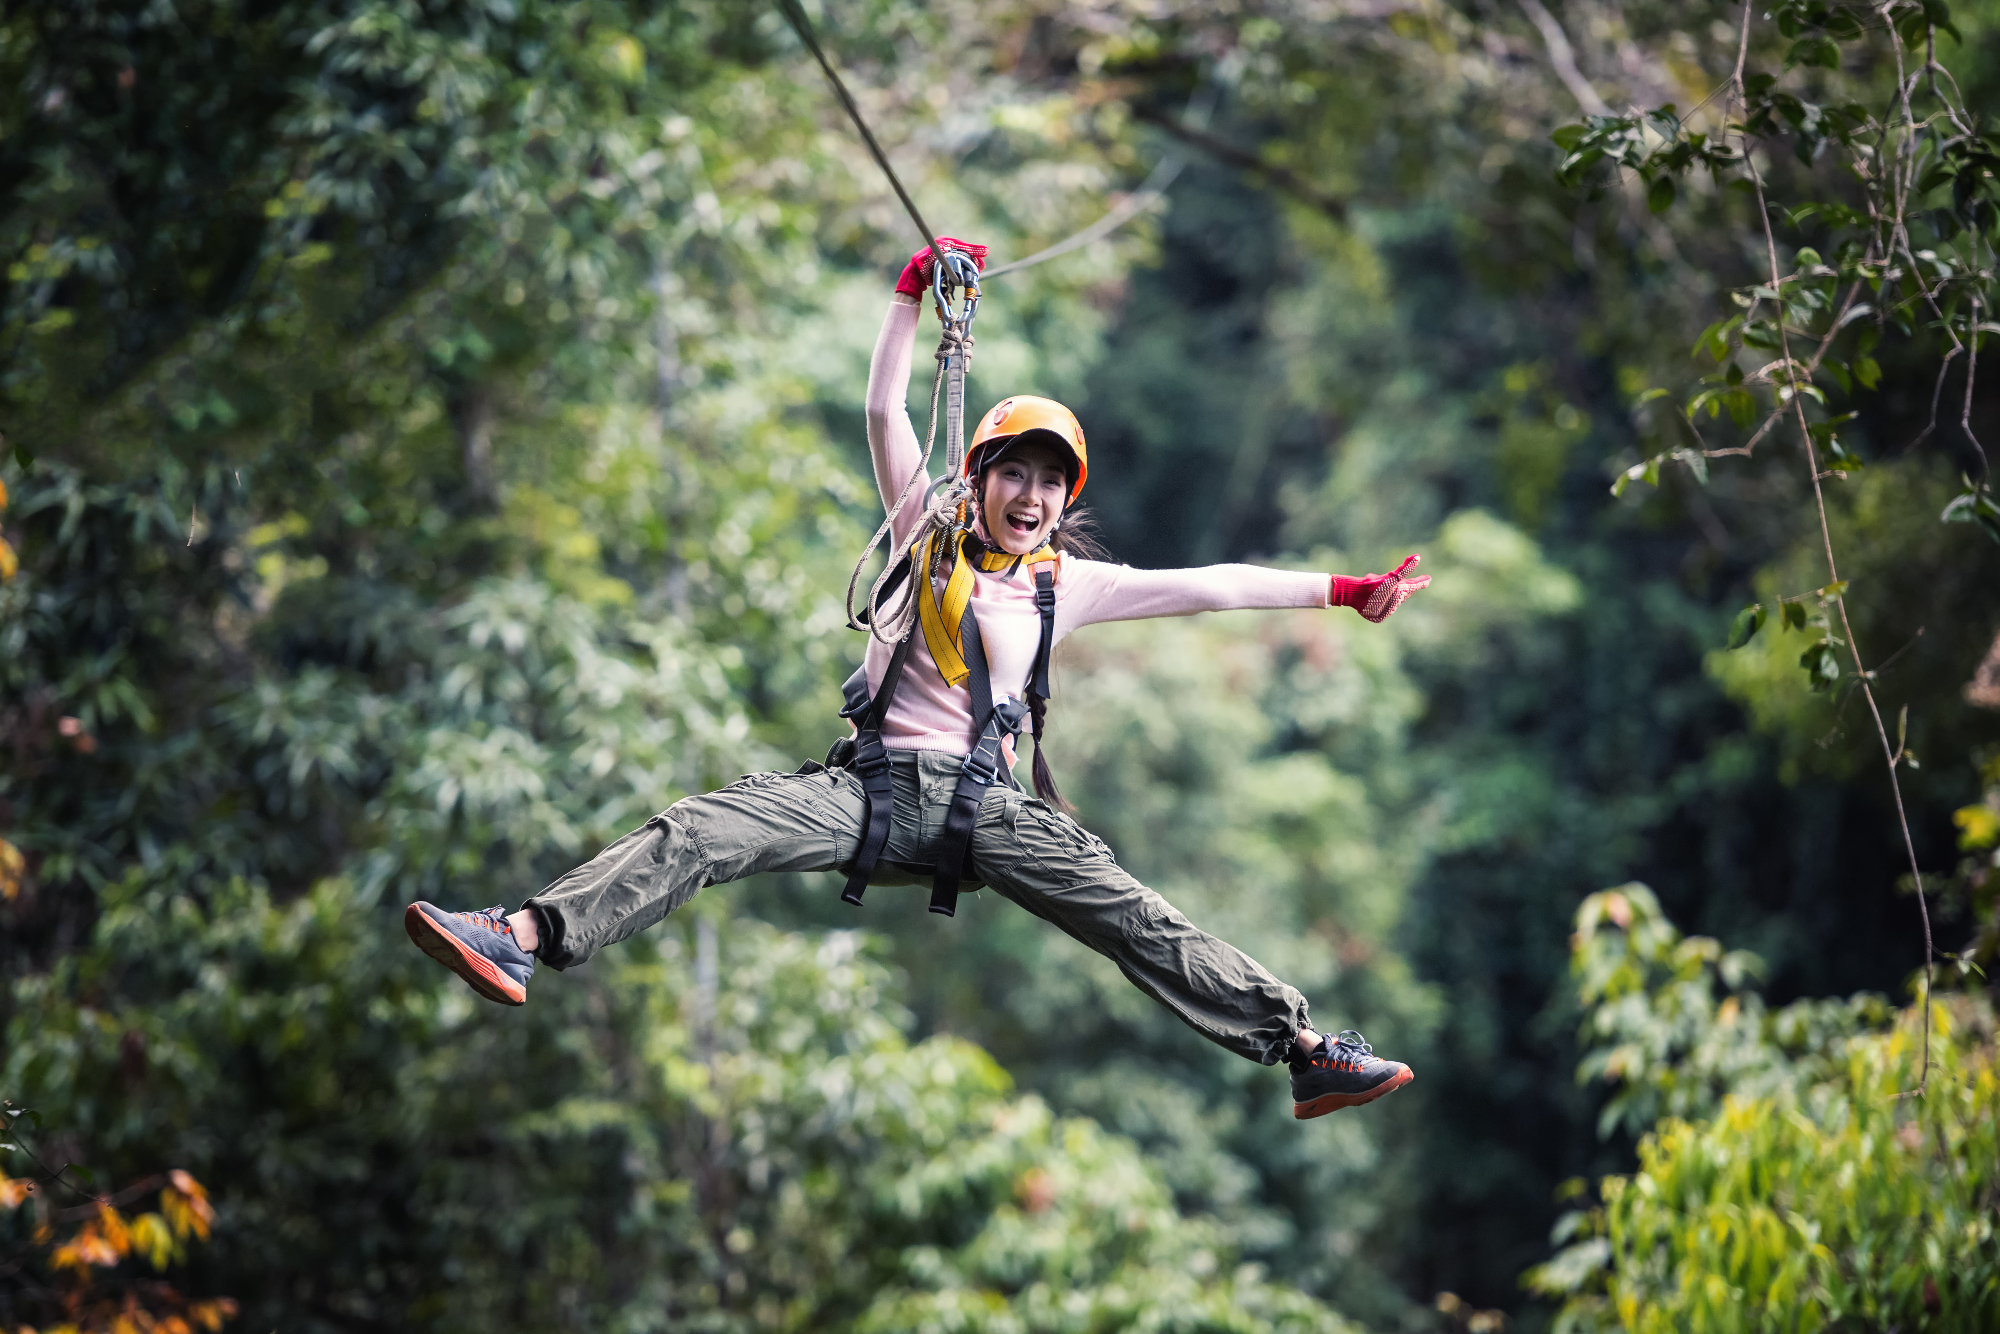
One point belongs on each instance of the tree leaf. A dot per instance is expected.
(1742, 406)
(1746, 625)
(1816, 51)
(1821, 664)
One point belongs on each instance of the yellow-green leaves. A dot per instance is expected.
(622, 57)
(1978, 827)
(1783, 1183)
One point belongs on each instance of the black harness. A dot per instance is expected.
(993, 724)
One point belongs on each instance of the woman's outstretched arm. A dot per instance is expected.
(1103, 592)
(892, 441)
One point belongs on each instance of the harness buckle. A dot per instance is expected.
(1011, 713)
(854, 695)
(1045, 588)
(871, 757)
(980, 769)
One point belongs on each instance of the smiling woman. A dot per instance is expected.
(923, 791)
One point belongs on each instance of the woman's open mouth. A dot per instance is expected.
(1022, 524)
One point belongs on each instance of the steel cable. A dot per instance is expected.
(1148, 194)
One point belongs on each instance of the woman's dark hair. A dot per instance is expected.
(1075, 535)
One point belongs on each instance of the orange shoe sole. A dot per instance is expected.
(1333, 1102)
(482, 974)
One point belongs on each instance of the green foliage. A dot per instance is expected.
(484, 507)
(1670, 1025)
(1787, 1178)
(1932, 633)
(1816, 329)
(1973, 888)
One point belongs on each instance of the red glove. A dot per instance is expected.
(916, 279)
(1376, 595)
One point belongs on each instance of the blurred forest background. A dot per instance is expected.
(434, 444)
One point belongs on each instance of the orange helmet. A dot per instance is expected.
(1023, 413)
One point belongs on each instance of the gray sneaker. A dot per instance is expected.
(1342, 1072)
(478, 946)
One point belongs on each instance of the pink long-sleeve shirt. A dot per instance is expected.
(929, 715)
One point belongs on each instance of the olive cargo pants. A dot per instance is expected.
(1022, 848)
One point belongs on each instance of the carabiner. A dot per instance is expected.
(958, 270)
(945, 482)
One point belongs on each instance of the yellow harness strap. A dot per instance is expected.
(941, 622)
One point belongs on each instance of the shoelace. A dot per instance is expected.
(1341, 1054)
(493, 919)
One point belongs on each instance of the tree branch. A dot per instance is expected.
(1562, 56)
(1224, 151)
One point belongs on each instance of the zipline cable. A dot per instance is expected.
(1149, 193)
(797, 18)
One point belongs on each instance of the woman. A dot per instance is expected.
(932, 755)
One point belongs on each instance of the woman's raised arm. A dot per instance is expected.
(892, 441)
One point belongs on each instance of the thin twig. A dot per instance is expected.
(1937, 397)
(1890, 661)
(116, 1198)
(1971, 371)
